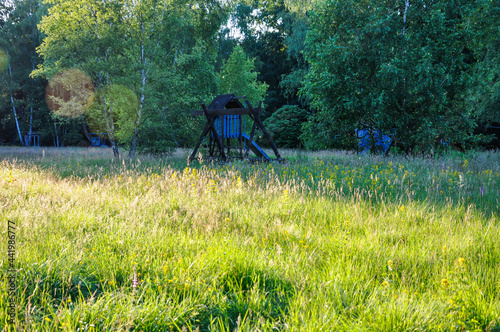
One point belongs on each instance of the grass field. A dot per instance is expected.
(326, 242)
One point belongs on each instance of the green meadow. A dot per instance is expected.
(328, 241)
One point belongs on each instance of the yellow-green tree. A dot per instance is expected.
(238, 76)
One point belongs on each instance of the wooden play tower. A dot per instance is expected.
(225, 129)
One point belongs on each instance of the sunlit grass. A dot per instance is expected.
(329, 241)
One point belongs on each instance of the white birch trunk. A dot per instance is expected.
(57, 135)
(141, 100)
(14, 105)
(407, 4)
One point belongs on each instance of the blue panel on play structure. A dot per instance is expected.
(228, 126)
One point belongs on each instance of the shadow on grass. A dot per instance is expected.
(251, 294)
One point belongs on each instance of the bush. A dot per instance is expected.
(285, 126)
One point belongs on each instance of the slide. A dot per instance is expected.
(255, 148)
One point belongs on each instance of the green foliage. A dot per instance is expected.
(238, 76)
(273, 34)
(285, 126)
(397, 68)
(484, 95)
(141, 45)
(19, 38)
(183, 88)
(115, 112)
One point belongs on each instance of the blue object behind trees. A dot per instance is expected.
(382, 142)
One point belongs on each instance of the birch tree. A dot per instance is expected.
(18, 40)
(132, 43)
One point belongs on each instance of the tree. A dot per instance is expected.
(285, 126)
(484, 95)
(19, 39)
(392, 65)
(114, 112)
(127, 43)
(187, 84)
(238, 76)
(264, 28)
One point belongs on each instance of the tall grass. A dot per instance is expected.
(328, 241)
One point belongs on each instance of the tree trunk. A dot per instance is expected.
(31, 107)
(141, 104)
(57, 136)
(31, 126)
(110, 125)
(14, 105)
(407, 5)
(15, 118)
(137, 124)
(85, 130)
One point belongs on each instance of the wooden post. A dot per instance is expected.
(240, 133)
(209, 127)
(261, 126)
(216, 136)
(247, 152)
(205, 131)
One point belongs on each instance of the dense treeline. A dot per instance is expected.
(425, 73)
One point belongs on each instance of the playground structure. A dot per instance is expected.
(225, 129)
(32, 139)
(98, 139)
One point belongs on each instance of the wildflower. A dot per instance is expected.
(460, 263)
(389, 265)
(47, 319)
(385, 283)
(445, 283)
